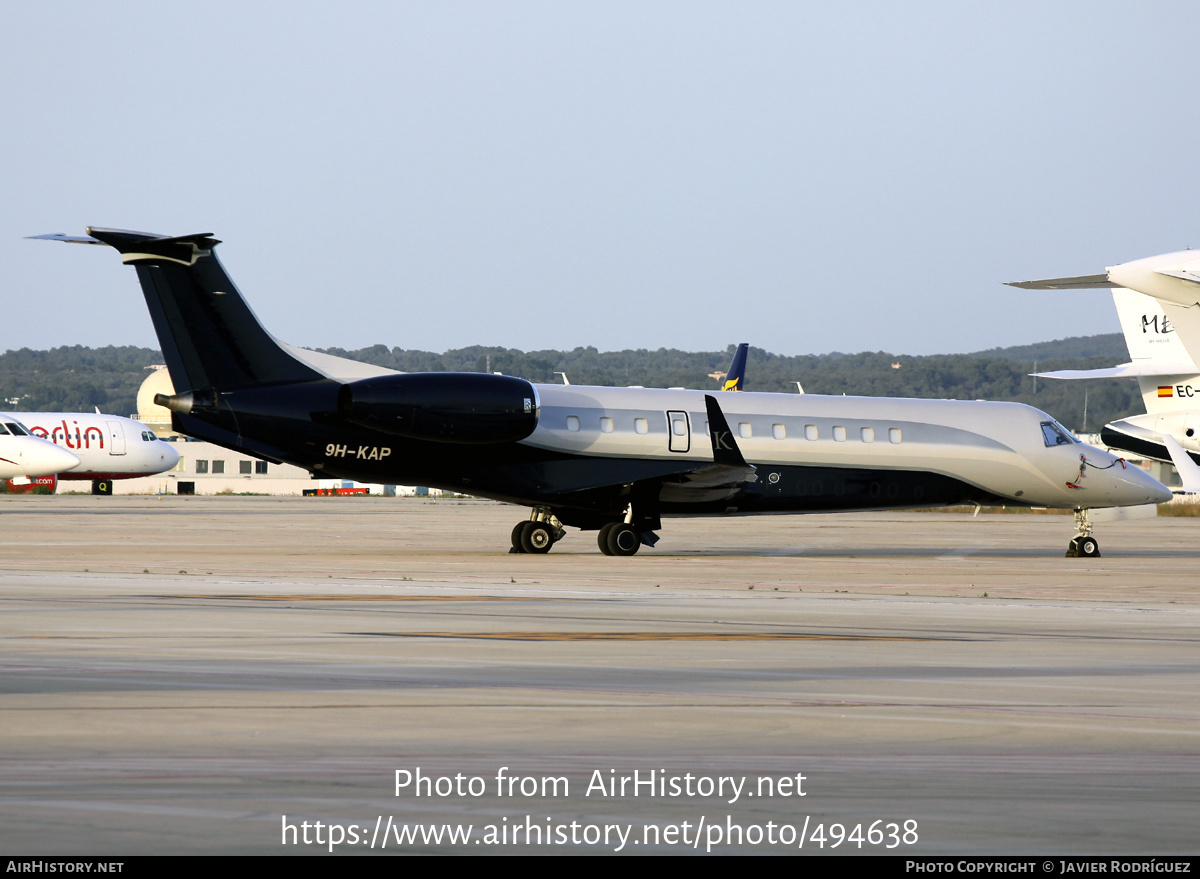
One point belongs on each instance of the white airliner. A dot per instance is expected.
(23, 455)
(613, 460)
(106, 447)
(1158, 303)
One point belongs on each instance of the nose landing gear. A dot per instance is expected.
(1083, 545)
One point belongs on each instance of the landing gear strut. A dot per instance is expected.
(1083, 545)
(537, 533)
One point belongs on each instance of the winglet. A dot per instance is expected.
(1189, 471)
(724, 446)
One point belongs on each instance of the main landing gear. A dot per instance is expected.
(537, 533)
(1083, 545)
(543, 529)
(619, 538)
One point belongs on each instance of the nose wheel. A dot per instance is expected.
(1083, 545)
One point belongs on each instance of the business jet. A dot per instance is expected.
(25, 456)
(612, 460)
(1158, 303)
(106, 447)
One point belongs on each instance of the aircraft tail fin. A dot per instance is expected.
(1157, 335)
(736, 377)
(209, 336)
(1157, 347)
(1150, 334)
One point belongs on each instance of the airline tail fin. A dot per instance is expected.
(1156, 347)
(209, 336)
(1150, 334)
(1160, 359)
(736, 377)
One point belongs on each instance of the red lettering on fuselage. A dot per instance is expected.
(61, 435)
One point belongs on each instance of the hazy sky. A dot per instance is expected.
(806, 177)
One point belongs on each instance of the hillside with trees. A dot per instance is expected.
(75, 379)
(78, 379)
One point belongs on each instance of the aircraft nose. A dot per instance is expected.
(1136, 486)
(49, 458)
(170, 457)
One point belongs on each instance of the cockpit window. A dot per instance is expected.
(148, 437)
(1056, 435)
(3, 430)
(15, 429)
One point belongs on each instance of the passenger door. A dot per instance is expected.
(679, 431)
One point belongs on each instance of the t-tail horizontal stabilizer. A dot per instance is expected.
(68, 239)
(1082, 282)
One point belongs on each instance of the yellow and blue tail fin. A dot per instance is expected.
(736, 377)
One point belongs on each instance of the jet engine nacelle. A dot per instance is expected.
(452, 407)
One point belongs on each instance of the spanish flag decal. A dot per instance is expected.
(1164, 390)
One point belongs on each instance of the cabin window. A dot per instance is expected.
(573, 423)
(260, 467)
(894, 435)
(606, 425)
(810, 432)
(641, 425)
(201, 466)
(839, 434)
(218, 467)
(868, 435)
(778, 431)
(744, 430)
